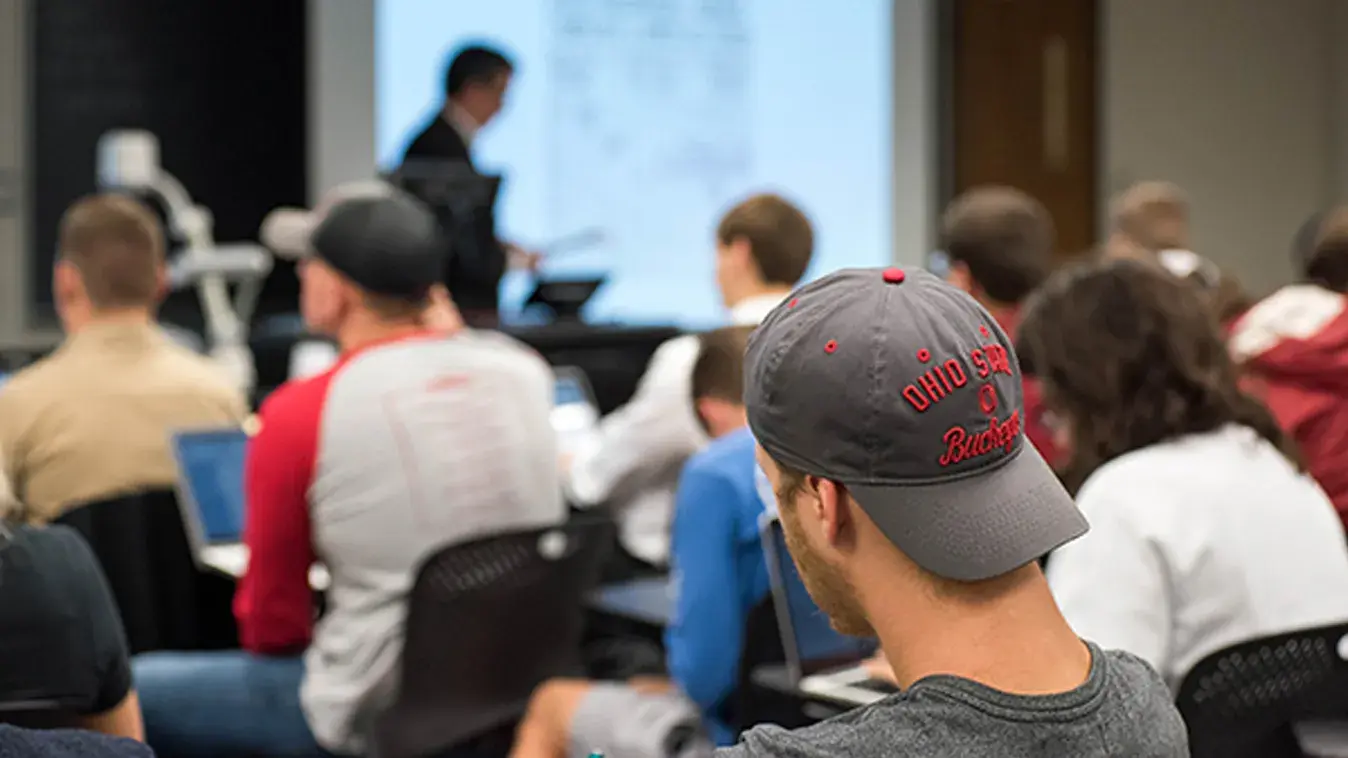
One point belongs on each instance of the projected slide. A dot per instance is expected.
(646, 119)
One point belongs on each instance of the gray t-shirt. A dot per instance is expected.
(1123, 709)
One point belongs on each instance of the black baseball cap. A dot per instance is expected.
(907, 391)
(388, 244)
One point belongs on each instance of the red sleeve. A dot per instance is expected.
(1036, 430)
(274, 605)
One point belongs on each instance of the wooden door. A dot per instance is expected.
(1023, 105)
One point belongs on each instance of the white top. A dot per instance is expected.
(635, 457)
(1198, 544)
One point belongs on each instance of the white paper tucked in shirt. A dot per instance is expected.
(634, 459)
(1198, 544)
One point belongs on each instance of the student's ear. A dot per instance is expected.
(162, 285)
(719, 416)
(66, 282)
(833, 505)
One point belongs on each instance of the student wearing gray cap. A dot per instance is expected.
(414, 440)
(888, 410)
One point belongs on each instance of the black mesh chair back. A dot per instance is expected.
(141, 545)
(487, 622)
(1244, 700)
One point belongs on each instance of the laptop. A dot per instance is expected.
(820, 661)
(210, 487)
(575, 413)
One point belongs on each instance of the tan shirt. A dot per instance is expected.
(93, 420)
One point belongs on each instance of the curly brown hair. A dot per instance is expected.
(1131, 356)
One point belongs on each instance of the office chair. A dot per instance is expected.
(487, 622)
(762, 646)
(1247, 699)
(165, 603)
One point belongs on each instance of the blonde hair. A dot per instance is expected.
(1153, 214)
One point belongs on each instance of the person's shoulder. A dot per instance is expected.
(872, 730)
(297, 399)
(55, 542)
(504, 345)
(35, 381)
(1140, 706)
(1162, 468)
(60, 743)
(1297, 313)
(59, 553)
(195, 370)
(1128, 673)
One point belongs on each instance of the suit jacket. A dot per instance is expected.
(473, 278)
(438, 141)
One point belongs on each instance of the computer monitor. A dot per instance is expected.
(210, 484)
(810, 642)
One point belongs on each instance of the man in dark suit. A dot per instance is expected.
(476, 82)
(475, 87)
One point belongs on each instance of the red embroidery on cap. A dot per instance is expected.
(893, 275)
(983, 330)
(830, 346)
(793, 302)
(934, 384)
(987, 399)
(991, 359)
(964, 444)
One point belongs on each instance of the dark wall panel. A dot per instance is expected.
(221, 82)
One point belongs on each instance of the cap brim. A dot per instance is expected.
(287, 231)
(980, 526)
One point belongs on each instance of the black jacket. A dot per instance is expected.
(473, 279)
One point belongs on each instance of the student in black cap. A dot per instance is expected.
(414, 440)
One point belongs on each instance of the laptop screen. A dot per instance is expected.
(817, 646)
(211, 465)
(575, 415)
(569, 389)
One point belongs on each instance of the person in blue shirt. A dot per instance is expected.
(718, 568)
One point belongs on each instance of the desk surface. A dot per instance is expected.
(232, 560)
(647, 601)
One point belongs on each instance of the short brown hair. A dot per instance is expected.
(117, 245)
(719, 370)
(1153, 215)
(780, 237)
(1327, 265)
(390, 308)
(1004, 236)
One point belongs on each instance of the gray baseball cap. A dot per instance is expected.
(907, 391)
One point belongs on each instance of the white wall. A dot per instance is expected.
(341, 93)
(11, 168)
(1236, 101)
(916, 138)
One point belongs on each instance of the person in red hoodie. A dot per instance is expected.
(1293, 347)
(998, 245)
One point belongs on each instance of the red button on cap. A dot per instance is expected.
(893, 275)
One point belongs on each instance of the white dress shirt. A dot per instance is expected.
(633, 461)
(463, 123)
(1198, 544)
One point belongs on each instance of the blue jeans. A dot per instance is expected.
(226, 703)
